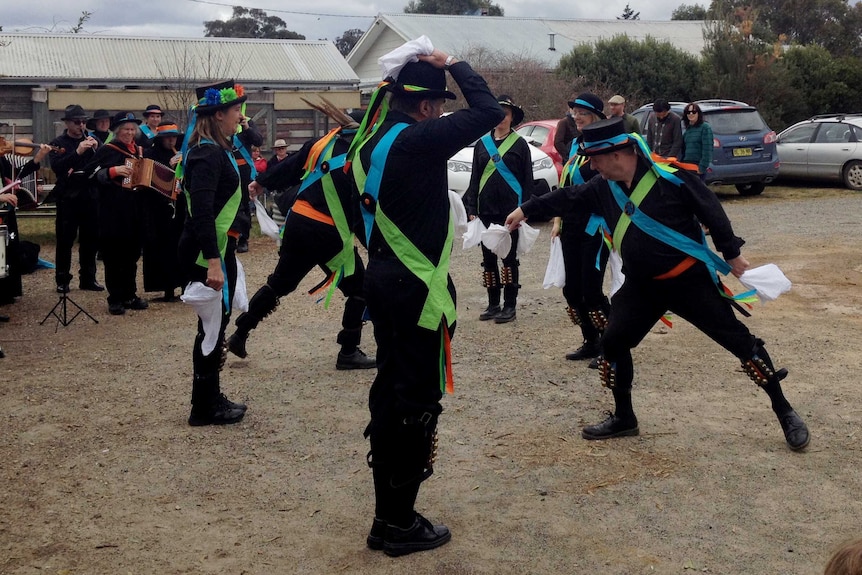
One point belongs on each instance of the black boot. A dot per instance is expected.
(262, 303)
(421, 536)
(621, 423)
(493, 309)
(355, 360)
(589, 350)
(210, 406)
(375, 536)
(506, 314)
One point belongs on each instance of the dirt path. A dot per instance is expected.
(101, 475)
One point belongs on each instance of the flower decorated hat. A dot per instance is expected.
(217, 97)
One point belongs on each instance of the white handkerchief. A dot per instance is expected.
(527, 236)
(769, 281)
(459, 213)
(268, 227)
(240, 294)
(555, 273)
(392, 62)
(497, 239)
(473, 235)
(208, 306)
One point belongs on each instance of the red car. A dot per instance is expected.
(541, 133)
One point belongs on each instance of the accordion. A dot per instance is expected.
(152, 175)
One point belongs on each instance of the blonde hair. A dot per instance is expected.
(847, 560)
(207, 128)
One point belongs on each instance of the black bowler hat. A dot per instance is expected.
(74, 112)
(590, 103)
(97, 115)
(152, 109)
(123, 117)
(517, 111)
(221, 96)
(604, 137)
(421, 79)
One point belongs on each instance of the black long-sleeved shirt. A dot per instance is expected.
(680, 208)
(497, 199)
(414, 189)
(63, 164)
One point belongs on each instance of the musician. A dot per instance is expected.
(10, 280)
(207, 245)
(100, 125)
(119, 214)
(152, 117)
(77, 203)
(162, 220)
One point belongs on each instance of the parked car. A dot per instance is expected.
(541, 133)
(460, 166)
(824, 147)
(744, 147)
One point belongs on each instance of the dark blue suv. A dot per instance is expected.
(744, 151)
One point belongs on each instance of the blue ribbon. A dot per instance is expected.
(501, 166)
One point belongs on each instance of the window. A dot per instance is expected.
(799, 135)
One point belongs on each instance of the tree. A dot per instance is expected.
(348, 40)
(629, 14)
(457, 7)
(643, 71)
(250, 23)
(689, 12)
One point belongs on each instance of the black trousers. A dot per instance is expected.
(583, 289)
(405, 397)
(77, 216)
(692, 295)
(489, 263)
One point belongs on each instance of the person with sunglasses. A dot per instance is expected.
(77, 202)
(696, 140)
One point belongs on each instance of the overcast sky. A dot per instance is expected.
(316, 20)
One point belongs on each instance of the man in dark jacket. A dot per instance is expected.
(400, 172)
(77, 203)
(566, 133)
(664, 131)
(653, 214)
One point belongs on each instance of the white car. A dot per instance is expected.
(545, 176)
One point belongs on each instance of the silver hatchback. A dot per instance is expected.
(827, 147)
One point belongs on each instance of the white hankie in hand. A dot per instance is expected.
(268, 227)
(615, 262)
(497, 239)
(473, 235)
(240, 294)
(769, 281)
(392, 62)
(555, 273)
(459, 213)
(207, 303)
(526, 238)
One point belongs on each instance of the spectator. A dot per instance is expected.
(664, 131)
(617, 107)
(697, 140)
(566, 133)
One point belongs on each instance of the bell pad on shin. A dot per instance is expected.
(489, 279)
(599, 319)
(607, 373)
(761, 372)
(574, 316)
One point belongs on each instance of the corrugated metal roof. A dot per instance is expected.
(73, 58)
(528, 37)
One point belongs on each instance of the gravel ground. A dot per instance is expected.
(101, 475)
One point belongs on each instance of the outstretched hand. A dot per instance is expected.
(513, 220)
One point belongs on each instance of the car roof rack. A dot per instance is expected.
(721, 102)
(838, 117)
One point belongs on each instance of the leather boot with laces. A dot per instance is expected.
(236, 344)
(225, 402)
(589, 350)
(506, 315)
(355, 360)
(795, 431)
(613, 426)
(491, 312)
(421, 536)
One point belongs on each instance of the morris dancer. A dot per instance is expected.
(399, 163)
(654, 211)
(318, 231)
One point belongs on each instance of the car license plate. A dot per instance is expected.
(738, 152)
